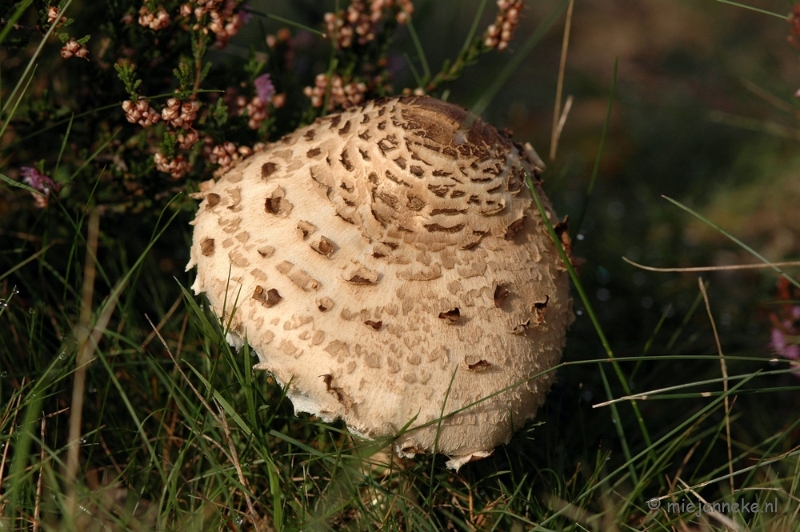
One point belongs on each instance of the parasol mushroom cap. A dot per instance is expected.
(389, 266)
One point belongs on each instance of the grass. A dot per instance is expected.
(124, 408)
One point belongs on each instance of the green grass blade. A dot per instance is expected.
(426, 69)
(587, 304)
(226, 406)
(600, 149)
(20, 184)
(12, 20)
(473, 29)
(16, 104)
(26, 261)
(666, 438)
(287, 21)
(275, 490)
(685, 322)
(31, 63)
(618, 425)
(64, 143)
(734, 239)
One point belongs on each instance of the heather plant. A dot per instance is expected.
(123, 407)
(188, 111)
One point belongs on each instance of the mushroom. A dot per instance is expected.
(390, 268)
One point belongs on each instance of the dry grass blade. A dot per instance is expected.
(712, 268)
(235, 459)
(724, 368)
(708, 510)
(185, 377)
(40, 480)
(560, 118)
(679, 472)
(163, 321)
(12, 407)
(572, 511)
(562, 121)
(219, 416)
(82, 360)
(770, 98)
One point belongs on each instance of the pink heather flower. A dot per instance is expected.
(782, 347)
(40, 182)
(244, 15)
(785, 347)
(264, 88)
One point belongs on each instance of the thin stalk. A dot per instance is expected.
(33, 59)
(599, 150)
(500, 80)
(589, 310)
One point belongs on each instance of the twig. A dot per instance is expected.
(724, 368)
(199, 52)
(757, 10)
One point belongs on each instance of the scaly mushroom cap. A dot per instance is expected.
(389, 266)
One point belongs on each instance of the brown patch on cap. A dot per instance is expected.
(207, 246)
(276, 203)
(362, 276)
(266, 251)
(324, 304)
(562, 232)
(324, 246)
(500, 293)
(374, 324)
(515, 226)
(212, 199)
(342, 397)
(267, 169)
(520, 328)
(451, 316)
(480, 365)
(305, 228)
(538, 310)
(268, 298)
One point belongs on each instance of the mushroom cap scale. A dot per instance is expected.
(391, 266)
